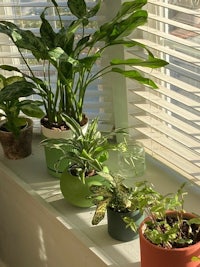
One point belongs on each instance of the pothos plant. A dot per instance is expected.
(174, 229)
(71, 52)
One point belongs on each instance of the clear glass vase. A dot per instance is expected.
(131, 158)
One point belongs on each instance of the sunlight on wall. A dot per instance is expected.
(42, 249)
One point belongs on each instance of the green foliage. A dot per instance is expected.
(87, 151)
(12, 92)
(120, 197)
(170, 230)
(73, 58)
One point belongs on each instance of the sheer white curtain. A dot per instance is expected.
(167, 120)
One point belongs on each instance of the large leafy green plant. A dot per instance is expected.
(72, 53)
(13, 90)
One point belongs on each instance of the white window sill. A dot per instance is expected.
(46, 208)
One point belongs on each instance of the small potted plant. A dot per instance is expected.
(124, 205)
(15, 130)
(169, 236)
(86, 153)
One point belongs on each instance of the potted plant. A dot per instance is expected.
(86, 153)
(16, 131)
(169, 236)
(124, 205)
(71, 52)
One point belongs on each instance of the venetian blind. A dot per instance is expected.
(26, 14)
(167, 120)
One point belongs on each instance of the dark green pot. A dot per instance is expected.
(75, 191)
(118, 229)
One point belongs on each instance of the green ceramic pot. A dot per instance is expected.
(75, 191)
(55, 166)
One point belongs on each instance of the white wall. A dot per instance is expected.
(30, 234)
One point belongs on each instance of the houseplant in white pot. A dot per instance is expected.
(169, 236)
(72, 53)
(15, 130)
(87, 153)
(124, 205)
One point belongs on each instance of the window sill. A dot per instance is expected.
(32, 204)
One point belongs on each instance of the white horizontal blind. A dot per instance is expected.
(26, 14)
(167, 120)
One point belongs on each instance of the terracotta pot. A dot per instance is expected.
(154, 256)
(75, 191)
(17, 147)
(118, 229)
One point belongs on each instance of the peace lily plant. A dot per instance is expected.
(72, 53)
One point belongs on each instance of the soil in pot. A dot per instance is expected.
(17, 147)
(155, 256)
(118, 229)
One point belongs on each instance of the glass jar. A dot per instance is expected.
(131, 159)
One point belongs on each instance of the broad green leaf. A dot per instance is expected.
(135, 75)
(126, 26)
(9, 68)
(32, 109)
(27, 40)
(13, 79)
(46, 32)
(59, 54)
(15, 90)
(149, 63)
(78, 8)
(129, 7)
(89, 61)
